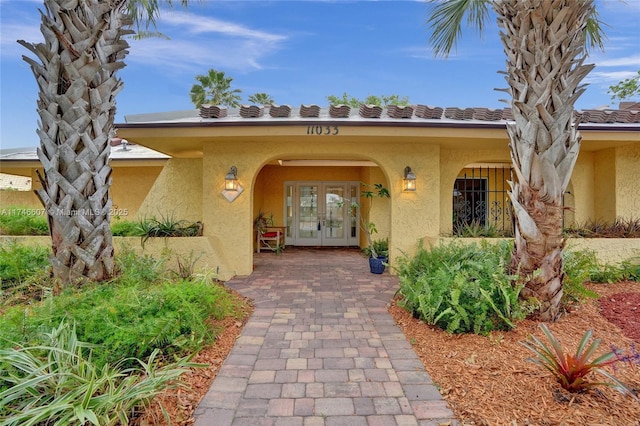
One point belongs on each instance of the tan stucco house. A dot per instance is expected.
(306, 165)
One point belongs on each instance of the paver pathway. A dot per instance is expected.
(320, 349)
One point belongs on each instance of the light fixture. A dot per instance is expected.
(409, 182)
(231, 179)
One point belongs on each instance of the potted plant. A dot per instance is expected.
(378, 250)
(262, 221)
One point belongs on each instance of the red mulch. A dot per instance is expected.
(623, 309)
(487, 380)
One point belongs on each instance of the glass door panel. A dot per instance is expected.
(320, 213)
(309, 221)
(335, 212)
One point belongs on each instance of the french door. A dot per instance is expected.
(321, 213)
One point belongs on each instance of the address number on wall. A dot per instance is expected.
(323, 130)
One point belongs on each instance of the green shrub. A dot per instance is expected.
(461, 288)
(137, 269)
(611, 273)
(619, 228)
(19, 262)
(57, 382)
(578, 269)
(380, 246)
(582, 266)
(23, 221)
(125, 228)
(476, 229)
(168, 226)
(130, 316)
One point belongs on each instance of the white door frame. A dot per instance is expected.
(319, 230)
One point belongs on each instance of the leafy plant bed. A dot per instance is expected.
(147, 312)
(180, 405)
(487, 380)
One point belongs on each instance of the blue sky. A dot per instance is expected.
(301, 52)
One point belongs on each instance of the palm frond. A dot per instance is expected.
(594, 34)
(446, 22)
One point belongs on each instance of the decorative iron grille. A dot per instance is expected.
(480, 200)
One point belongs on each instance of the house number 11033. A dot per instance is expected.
(323, 130)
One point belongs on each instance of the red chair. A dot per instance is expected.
(271, 238)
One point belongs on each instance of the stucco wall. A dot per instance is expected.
(19, 198)
(229, 225)
(604, 184)
(130, 185)
(628, 182)
(176, 192)
(583, 190)
(436, 155)
(607, 250)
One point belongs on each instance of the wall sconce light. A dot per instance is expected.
(231, 179)
(409, 182)
(232, 188)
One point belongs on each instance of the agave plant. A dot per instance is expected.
(571, 370)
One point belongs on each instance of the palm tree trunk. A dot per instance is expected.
(544, 44)
(77, 87)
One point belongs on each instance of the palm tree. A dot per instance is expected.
(76, 75)
(215, 88)
(261, 99)
(545, 42)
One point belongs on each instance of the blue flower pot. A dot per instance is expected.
(376, 264)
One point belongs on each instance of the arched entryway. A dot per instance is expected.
(316, 200)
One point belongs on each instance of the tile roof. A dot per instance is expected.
(212, 111)
(339, 111)
(307, 111)
(251, 111)
(370, 111)
(280, 111)
(629, 113)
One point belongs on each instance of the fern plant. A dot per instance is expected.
(461, 288)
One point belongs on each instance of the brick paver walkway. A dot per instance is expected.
(320, 349)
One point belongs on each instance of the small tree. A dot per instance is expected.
(625, 89)
(382, 100)
(261, 99)
(346, 99)
(215, 88)
(367, 226)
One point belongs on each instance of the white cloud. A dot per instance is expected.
(10, 32)
(187, 55)
(625, 61)
(195, 24)
(613, 77)
(198, 43)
